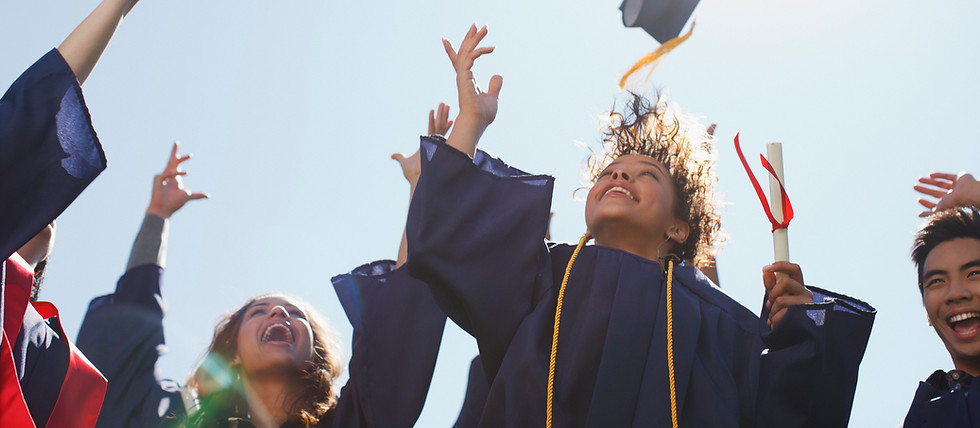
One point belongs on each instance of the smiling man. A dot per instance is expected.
(946, 252)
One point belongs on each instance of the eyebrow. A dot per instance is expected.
(660, 167)
(966, 266)
(657, 165)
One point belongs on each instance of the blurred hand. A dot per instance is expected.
(950, 191)
(411, 167)
(784, 290)
(439, 122)
(169, 194)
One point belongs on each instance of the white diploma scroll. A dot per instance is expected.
(780, 237)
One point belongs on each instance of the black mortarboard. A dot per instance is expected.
(663, 19)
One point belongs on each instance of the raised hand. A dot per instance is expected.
(784, 290)
(169, 194)
(949, 190)
(439, 122)
(477, 108)
(411, 167)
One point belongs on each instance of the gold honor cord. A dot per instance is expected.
(670, 344)
(655, 57)
(554, 337)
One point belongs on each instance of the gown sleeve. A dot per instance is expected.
(809, 372)
(476, 235)
(122, 335)
(475, 400)
(397, 331)
(49, 151)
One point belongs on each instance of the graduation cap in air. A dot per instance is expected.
(662, 19)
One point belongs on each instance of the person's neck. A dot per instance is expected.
(270, 399)
(629, 240)
(972, 367)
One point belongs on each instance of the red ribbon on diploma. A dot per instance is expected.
(787, 206)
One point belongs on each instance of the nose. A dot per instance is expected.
(279, 311)
(957, 291)
(620, 174)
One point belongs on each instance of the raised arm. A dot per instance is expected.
(85, 44)
(949, 190)
(122, 333)
(477, 108)
(167, 197)
(439, 124)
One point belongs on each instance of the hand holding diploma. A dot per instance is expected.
(784, 288)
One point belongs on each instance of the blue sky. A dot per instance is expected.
(291, 110)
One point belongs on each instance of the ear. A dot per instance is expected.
(679, 232)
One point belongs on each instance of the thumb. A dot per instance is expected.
(495, 83)
(398, 157)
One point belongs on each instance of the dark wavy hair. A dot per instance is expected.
(647, 127)
(947, 225)
(228, 402)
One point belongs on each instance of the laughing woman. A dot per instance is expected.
(272, 362)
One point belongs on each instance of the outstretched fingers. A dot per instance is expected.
(469, 49)
(450, 51)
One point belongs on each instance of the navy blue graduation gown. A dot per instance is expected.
(397, 331)
(474, 235)
(936, 406)
(476, 396)
(49, 153)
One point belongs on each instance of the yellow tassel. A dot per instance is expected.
(655, 57)
(554, 337)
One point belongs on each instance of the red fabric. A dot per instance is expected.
(83, 389)
(787, 206)
(17, 291)
(13, 409)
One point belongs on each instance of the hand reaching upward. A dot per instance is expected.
(950, 190)
(477, 109)
(439, 122)
(169, 194)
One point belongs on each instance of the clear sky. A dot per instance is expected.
(291, 110)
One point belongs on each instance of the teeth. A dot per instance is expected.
(268, 332)
(963, 316)
(620, 190)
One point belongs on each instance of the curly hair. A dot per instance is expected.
(319, 393)
(649, 128)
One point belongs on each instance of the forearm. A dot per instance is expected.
(150, 246)
(403, 246)
(466, 133)
(85, 44)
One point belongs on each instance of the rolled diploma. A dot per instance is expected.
(780, 237)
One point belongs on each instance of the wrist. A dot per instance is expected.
(159, 212)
